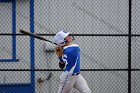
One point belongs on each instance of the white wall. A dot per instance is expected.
(78, 17)
(22, 43)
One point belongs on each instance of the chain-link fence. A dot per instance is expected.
(107, 32)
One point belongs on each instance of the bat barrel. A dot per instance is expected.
(36, 36)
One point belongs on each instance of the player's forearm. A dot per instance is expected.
(61, 59)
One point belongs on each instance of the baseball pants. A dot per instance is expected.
(68, 81)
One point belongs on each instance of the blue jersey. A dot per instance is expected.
(72, 58)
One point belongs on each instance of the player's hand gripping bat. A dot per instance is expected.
(35, 36)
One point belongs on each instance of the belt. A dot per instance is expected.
(76, 73)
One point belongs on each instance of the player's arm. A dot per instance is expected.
(59, 53)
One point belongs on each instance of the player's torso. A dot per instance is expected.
(72, 57)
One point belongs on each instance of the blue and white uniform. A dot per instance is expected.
(72, 58)
(70, 77)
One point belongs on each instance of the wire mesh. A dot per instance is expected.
(100, 28)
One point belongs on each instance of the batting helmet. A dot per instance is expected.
(59, 38)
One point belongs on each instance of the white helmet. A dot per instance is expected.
(59, 38)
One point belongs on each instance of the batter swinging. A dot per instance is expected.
(69, 59)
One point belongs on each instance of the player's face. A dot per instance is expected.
(69, 38)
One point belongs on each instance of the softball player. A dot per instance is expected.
(69, 59)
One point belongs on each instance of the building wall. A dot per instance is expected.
(78, 17)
